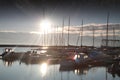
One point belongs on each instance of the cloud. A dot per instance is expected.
(7, 31)
(15, 32)
(98, 28)
(102, 26)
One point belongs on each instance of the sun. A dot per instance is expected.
(45, 26)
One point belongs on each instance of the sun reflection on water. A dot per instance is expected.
(43, 69)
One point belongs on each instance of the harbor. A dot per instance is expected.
(59, 40)
(66, 57)
(56, 68)
(62, 58)
(77, 58)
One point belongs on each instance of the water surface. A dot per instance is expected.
(17, 70)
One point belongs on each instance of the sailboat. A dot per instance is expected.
(68, 62)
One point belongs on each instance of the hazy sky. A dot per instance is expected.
(25, 15)
(20, 17)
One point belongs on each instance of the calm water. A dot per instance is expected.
(17, 70)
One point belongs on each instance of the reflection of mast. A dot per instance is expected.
(68, 75)
(106, 73)
(61, 76)
(68, 30)
(81, 77)
(54, 71)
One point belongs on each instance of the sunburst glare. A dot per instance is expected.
(45, 26)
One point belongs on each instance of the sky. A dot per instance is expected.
(26, 15)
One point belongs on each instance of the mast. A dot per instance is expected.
(44, 39)
(78, 38)
(107, 37)
(43, 13)
(50, 39)
(101, 38)
(68, 30)
(54, 36)
(107, 30)
(57, 36)
(82, 33)
(93, 36)
(63, 33)
(114, 37)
